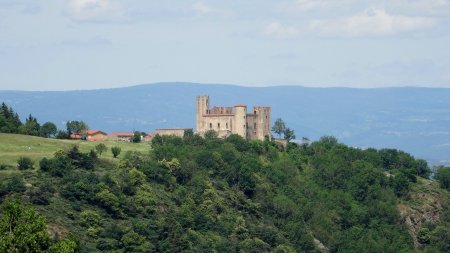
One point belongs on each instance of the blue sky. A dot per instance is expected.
(90, 44)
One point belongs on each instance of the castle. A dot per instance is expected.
(233, 120)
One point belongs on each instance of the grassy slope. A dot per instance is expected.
(426, 203)
(13, 146)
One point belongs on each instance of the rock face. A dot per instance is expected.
(425, 205)
(319, 245)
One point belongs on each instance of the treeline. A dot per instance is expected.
(11, 123)
(196, 194)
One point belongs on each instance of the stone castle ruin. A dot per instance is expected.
(253, 125)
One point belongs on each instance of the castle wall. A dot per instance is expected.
(179, 132)
(222, 124)
(252, 126)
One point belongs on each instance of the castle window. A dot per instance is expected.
(218, 125)
(254, 125)
(226, 125)
(210, 125)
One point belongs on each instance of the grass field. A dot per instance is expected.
(13, 146)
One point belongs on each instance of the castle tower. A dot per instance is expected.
(202, 109)
(262, 122)
(240, 119)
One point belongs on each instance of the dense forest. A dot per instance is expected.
(195, 194)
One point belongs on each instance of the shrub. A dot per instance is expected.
(45, 164)
(116, 151)
(101, 148)
(13, 184)
(40, 196)
(25, 163)
(136, 137)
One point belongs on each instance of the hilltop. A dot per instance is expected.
(411, 119)
(193, 194)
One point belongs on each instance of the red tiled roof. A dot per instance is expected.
(123, 134)
(92, 132)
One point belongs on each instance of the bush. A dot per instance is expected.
(116, 151)
(13, 184)
(101, 148)
(25, 163)
(136, 137)
(45, 164)
(40, 196)
(3, 167)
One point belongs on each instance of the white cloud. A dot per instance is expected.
(278, 30)
(372, 22)
(429, 7)
(311, 5)
(85, 10)
(201, 8)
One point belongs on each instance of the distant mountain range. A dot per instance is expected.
(416, 120)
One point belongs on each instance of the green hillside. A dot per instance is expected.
(13, 146)
(210, 195)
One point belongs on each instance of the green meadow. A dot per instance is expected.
(14, 146)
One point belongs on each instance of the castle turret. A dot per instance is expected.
(240, 126)
(202, 109)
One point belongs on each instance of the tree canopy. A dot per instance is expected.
(202, 194)
(23, 230)
(76, 127)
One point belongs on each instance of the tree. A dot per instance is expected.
(422, 168)
(305, 141)
(211, 135)
(62, 135)
(101, 148)
(9, 120)
(188, 133)
(136, 137)
(48, 129)
(31, 126)
(443, 176)
(24, 230)
(76, 127)
(116, 151)
(289, 134)
(279, 127)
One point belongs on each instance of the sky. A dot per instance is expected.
(93, 44)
